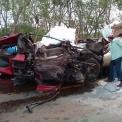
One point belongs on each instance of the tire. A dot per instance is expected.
(96, 69)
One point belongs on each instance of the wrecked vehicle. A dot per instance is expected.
(67, 63)
(64, 62)
(63, 38)
(50, 66)
(58, 61)
(56, 64)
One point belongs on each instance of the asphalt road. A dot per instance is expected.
(90, 103)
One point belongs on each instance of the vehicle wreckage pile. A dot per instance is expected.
(66, 62)
(55, 63)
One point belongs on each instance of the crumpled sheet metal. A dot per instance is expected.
(53, 64)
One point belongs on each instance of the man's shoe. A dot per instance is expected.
(107, 80)
(120, 85)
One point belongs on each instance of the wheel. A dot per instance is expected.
(96, 68)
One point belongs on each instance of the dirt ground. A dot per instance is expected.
(99, 103)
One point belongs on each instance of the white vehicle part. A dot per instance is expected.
(106, 59)
(61, 33)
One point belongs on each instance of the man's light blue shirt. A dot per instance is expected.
(115, 48)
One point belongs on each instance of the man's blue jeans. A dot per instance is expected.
(111, 71)
(115, 69)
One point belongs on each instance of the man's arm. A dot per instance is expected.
(105, 52)
(106, 46)
(119, 42)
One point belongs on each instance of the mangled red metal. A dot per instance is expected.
(59, 62)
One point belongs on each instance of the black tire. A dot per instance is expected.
(96, 69)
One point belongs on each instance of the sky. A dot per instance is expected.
(116, 14)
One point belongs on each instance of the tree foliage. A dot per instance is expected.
(39, 16)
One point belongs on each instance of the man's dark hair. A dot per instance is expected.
(111, 37)
(120, 35)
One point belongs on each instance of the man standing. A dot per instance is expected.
(115, 48)
(111, 68)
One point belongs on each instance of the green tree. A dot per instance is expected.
(4, 12)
